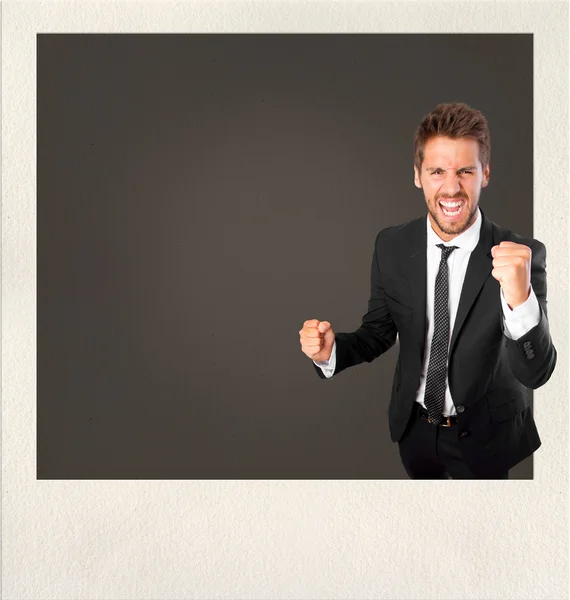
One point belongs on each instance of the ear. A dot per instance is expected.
(486, 176)
(417, 178)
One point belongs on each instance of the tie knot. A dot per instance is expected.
(446, 250)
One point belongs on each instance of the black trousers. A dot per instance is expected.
(432, 452)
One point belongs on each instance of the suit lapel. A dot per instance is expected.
(478, 269)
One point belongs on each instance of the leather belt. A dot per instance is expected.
(445, 422)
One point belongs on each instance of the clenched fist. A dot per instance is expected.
(511, 268)
(317, 339)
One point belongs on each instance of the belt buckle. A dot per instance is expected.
(445, 423)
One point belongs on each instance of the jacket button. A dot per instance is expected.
(530, 355)
(460, 408)
(464, 434)
(526, 345)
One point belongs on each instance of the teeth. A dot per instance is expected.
(450, 204)
(450, 213)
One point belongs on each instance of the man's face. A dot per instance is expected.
(451, 173)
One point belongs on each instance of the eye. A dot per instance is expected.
(470, 172)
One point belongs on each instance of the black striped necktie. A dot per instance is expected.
(437, 369)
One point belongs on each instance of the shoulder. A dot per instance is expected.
(400, 233)
(502, 234)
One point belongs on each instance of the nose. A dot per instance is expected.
(450, 185)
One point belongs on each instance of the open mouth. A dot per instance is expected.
(451, 209)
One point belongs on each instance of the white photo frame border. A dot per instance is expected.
(278, 539)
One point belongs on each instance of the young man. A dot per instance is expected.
(467, 299)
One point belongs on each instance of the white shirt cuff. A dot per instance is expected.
(328, 366)
(522, 318)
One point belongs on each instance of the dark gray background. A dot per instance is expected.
(199, 197)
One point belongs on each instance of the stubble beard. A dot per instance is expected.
(454, 228)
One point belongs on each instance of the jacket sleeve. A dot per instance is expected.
(377, 333)
(532, 357)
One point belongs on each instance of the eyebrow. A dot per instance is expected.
(470, 168)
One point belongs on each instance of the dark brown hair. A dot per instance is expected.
(453, 120)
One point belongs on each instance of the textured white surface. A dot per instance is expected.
(275, 539)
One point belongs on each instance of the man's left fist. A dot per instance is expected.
(511, 268)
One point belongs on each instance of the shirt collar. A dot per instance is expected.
(466, 240)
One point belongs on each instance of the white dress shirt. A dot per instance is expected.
(517, 322)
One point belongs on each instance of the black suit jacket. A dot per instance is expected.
(488, 372)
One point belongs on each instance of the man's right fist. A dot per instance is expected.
(317, 339)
